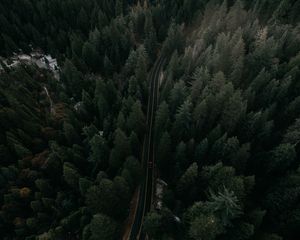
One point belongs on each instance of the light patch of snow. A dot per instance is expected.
(159, 191)
(77, 106)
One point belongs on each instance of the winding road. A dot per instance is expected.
(147, 186)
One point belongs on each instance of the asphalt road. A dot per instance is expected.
(147, 188)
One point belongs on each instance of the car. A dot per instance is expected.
(150, 164)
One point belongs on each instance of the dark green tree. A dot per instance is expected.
(99, 152)
(91, 56)
(72, 78)
(103, 227)
(120, 151)
(153, 225)
(164, 154)
(182, 125)
(102, 198)
(71, 175)
(162, 120)
(70, 133)
(136, 119)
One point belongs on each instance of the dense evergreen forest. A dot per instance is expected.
(227, 128)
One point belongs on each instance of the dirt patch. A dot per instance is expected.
(129, 221)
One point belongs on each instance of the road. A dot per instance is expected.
(146, 190)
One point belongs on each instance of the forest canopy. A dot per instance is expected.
(226, 131)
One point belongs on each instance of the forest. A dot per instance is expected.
(226, 131)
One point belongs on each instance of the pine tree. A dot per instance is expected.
(205, 226)
(281, 158)
(70, 133)
(218, 176)
(199, 116)
(119, 8)
(134, 168)
(292, 135)
(136, 119)
(180, 155)
(164, 154)
(121, 121)
(150, 36)
(182, 125)
(162, 120)
(120, 151)
(43, 185)
(84, 185)
(225, 206)
(133, 87)
(153, 225)
(103, 227)
(108, 66)
(83, 20)
(187, 182)
(135, 144)
(91, 56)
(90, 131)
(174, 66)
(72, 78)
(237, 57)
(102, 198)
(99, 152)
(87, 102)
(21, 151)
(71, 175)
(217, 148)
(101, 101)
(102, 19)
(233, 111)
(76, 45)
(122, 191)
(174, 40)
(141, 65)
(130, 63)
(200, 79)
(201, 151)
(177, 95)
(282, 9)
